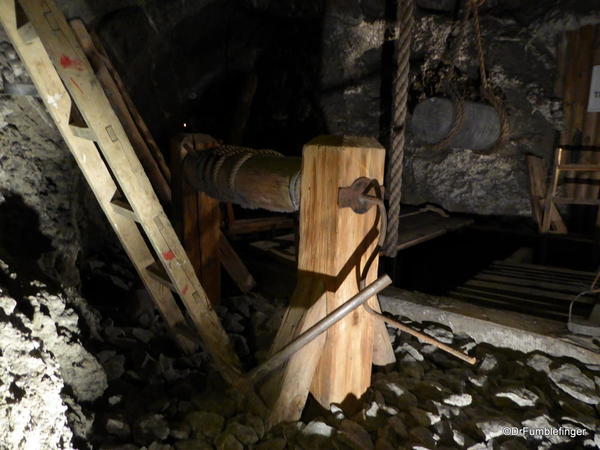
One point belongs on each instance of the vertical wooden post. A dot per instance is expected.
(334, 245)
(197, 220)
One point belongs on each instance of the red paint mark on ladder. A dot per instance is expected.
(168, 255)
(68, 63)
(76, 84)
(184, 290)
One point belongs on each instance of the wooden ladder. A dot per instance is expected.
(552, 199)
(83, 114)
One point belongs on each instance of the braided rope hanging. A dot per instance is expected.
(404, 21)
(471, 13)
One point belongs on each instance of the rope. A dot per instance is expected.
(209, 164)
(404, 20)
(471, 11)
(380, 220)
(487, 90)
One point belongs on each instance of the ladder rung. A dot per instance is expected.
(83, 132)
(576, 201)
(580, 167)
(24, 26)
(27, 32)
(122, 207)
(156, 271)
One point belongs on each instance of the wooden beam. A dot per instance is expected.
(234, 266)
(246, 226)
(334, 243)
(197, 219)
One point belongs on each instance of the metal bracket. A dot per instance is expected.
(355, 196)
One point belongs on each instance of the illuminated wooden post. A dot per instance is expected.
(334, 245)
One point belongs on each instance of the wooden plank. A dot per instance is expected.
(581, 285)
(420, 228)
(234, 266)
(58, 104)
(547, 221)
(75, 71)
(197, 220)
(537, 194)
(537, 267)
(569, 107)
(541, 284)
(590, 167)
(527, 302)
(498, 303)
(576, 201)
(530, 292)
(537, 188)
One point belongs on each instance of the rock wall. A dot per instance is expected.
(45, 371)
(37, 177)
(520, 43)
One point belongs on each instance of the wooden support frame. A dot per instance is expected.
(64, 77)
(197, 220)
(334, 243)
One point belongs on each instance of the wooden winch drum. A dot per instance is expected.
(251, 180)
(433, 118)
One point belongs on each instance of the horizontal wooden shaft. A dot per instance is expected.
(252, 180)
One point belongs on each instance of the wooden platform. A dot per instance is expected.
(418, 228)
(540, 291)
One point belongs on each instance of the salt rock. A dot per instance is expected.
(158, 446)
(407, 348)
(227, 441)
(440, 334)
(424, 418)
(520, 396)
(372, 416)
(205, 423)
(354, 436)
(488, 364)
(575, 383)
(272, 444)
(180, 430)
(478, 380)
(193, 444)
(545, 423)
(243, 433)
(315, 435)
(421, 435)
(118, 426)
(398, 426)
(539, 363)
(492, 428)
(459, 400)
(150, 428)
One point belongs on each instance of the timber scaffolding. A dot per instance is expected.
(327, 342)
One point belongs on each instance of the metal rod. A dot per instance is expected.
(318, 328)
(422, 337)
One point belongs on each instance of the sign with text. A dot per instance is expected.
(594, 99)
